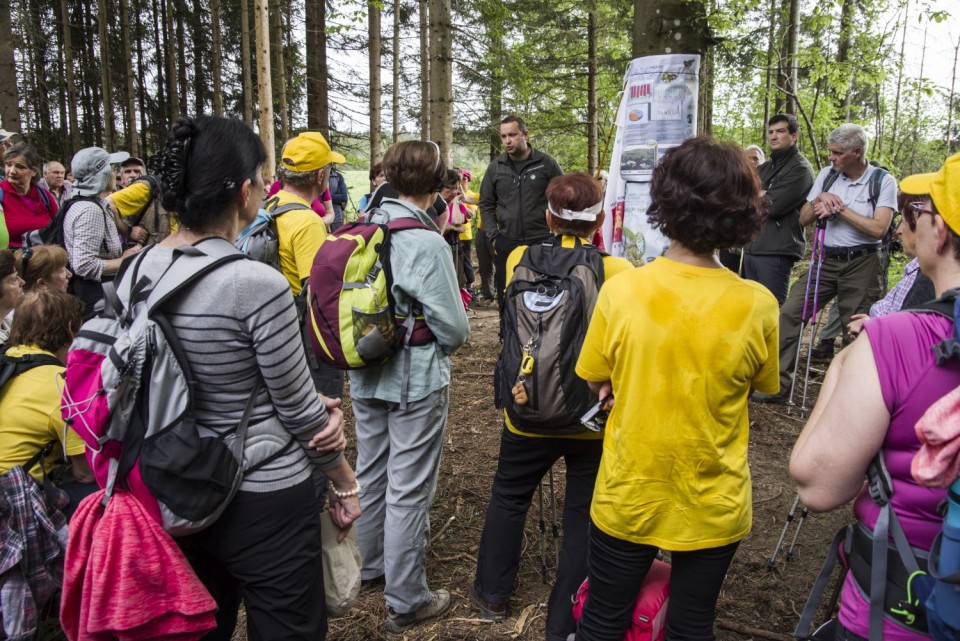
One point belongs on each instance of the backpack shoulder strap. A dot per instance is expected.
(945, 306)
(45, 197)
(830, 178)
(11, 366)
(282, 209)
(876, 183)
(190, 264)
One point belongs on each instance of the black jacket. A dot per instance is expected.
(787, 177)
(513, 196)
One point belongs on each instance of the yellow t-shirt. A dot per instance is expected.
(301, 232)
(683, 347)
(612, 266)
(133, 199)
(30, 407)
(467, 233)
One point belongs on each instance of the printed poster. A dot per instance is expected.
(658, 111)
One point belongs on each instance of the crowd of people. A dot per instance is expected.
(667, 472)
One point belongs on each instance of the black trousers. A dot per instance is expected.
(773, 272)
(523, 462)
(617, 570)
(265, 550)
(485, 263)
(465, 246)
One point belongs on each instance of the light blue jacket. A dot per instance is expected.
(423, 271)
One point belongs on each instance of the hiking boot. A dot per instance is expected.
(781, 398)
(488, 611)
(823, 351)
(439, 603)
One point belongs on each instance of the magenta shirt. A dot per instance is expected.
(24, 213)
(910, 382)
(316, 205)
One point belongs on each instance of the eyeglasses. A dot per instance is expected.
(913, 211)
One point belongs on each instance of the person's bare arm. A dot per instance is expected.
(845, 431)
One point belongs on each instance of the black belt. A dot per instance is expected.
(847, 254)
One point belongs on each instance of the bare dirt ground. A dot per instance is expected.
(759, 601)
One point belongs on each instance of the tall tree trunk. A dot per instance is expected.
(441, 76)
(40, 77)
(94, 135)
(953, 85)
(200, 53)
(318, 115)
(217, 58)
(658, 25)
(281, 83)
(896, 101)
(9, 93)
(375, 83)
(592, 131)
(161, 122)
(181, 49)
(396, 70)
(768, 80)
(264, 84)
(110, 138)
(62, 138)
(129, 94)
(141, 89)
(245, 61)
(843, 54)
(919, 100)
(71, 85)
(424, 70)
(170, 44)
(793, 38)
(496, 92)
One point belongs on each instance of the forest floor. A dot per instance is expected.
(760, 602)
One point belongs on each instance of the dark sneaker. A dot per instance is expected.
(773, 399)
(488, 611)
(439, 603)
(823, 351)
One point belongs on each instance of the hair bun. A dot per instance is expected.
(175, 156)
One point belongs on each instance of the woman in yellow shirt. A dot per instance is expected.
(681, 342)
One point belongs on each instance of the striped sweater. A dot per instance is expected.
(238, 326)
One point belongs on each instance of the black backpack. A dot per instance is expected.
(546, 310)
(52, 234)
(11, 366)
(261, 241)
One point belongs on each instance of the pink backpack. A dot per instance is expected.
(650, 613)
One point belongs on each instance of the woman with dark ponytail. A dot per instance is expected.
(238, 326)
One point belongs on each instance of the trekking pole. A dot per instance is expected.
(772, 561)
(543, 534)
(555, 527)
(803, 318)
(791, 554)
(813, 324)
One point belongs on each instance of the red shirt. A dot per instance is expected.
(25, 213)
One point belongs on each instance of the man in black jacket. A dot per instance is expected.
(513, 195)
(787, 178)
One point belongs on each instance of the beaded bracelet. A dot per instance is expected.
(348, 493)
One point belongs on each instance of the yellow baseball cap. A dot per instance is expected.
(309, 151)
(943, 187)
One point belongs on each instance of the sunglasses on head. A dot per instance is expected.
(913, 211)
(24, 257)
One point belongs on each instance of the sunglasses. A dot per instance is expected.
(913, 211)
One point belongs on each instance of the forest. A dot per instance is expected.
(115, 73)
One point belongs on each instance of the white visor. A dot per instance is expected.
(589, 214)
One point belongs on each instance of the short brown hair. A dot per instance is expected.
(414, 167)
(706, 195)
(376, 170)
(8, 263)
(48, 319)
(42, 261)
(576, 192)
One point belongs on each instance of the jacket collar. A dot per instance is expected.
(393, 209)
